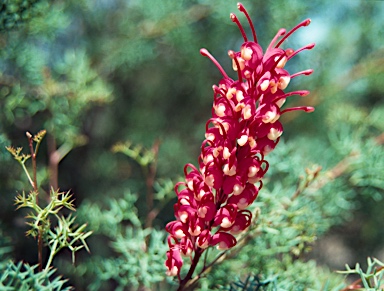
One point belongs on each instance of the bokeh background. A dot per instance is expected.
(96, 73)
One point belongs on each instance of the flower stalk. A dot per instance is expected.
(211, 209)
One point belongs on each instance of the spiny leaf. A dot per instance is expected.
(138, 153)
(16, 153)
(39, 136)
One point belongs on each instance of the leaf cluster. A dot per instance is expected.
(372, 279)
(65, 234)
(16, 13)
(136, 254)
(23, 277)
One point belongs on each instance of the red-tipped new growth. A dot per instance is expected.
(244, 128)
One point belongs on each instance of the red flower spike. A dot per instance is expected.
(243, 129)
(204, 239)
(236, 20)
(196, 225)
(245, 198)
(226, 216)
(186, 247)
(183, 212)
(242, 9)
(213, 175)
(301, 24)
(242, 222)
(186, 197)
(207, 208)
(177, 229)
(275, 131)
(174, 262)
(305, 72)
(249, 167)
(223, 240)
(233, 184)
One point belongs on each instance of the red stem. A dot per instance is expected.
(36, 190)
(188, 277)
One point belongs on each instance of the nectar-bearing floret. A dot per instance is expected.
(244, 128)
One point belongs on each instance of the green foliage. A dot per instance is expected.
(317, 279)
(64, 235)
(54, 88)
(136, 249)
(67, 235)
(110, 220)
(136, 255)
(142, 156)
(252, 283)
(21, 158)
(5, 246)
(22, 277)
(132, 268)
(372, 279)
(14, 13)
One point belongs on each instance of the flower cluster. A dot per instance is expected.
(212, 202)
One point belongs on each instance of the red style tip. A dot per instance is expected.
(301, 24)
(303, 108)
(204, 52)
(243, 10)
(236, 20)
(309, 109)
(306, 72)
(303, 93)
(281, 32)
(310, 46)
(307, 47)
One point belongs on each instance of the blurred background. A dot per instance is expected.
(97, 73)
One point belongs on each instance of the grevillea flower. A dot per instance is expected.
(244, 128)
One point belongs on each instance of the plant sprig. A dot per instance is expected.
(371, 279)
(66, 234)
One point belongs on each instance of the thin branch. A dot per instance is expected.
(54, 160)
(27, 173)
(185, 282)
(36, 190)
(34, 168)
(356, 284)
(150, 180)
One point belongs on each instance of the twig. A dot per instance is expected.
(356, 284)
(36, 190)
(309, 181)
(34, 169)
(54, 160)
(150, 179)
